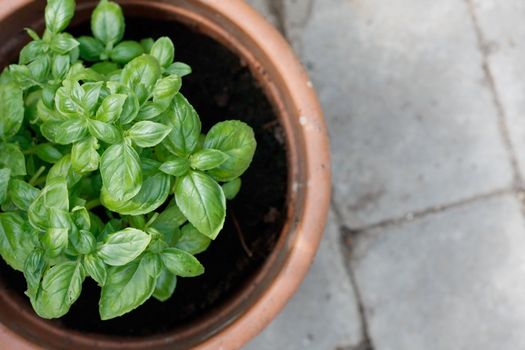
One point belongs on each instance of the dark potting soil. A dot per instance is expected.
(219, 88)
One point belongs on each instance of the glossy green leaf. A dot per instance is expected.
(63, 169)
(95, 268)
(207, 159)
(53, 195)
(164, 51)
(107, 22)
(13, 159)
(84, 155)
(56, 236)
(126, 51)
(179, 68)
(147, 44)
(48, 153)
(63, 43)
(64, 132)
(148, 134)
(127, 287)
(232, 188)
(201, 200)
(105, 131)
(81, 242)
(34, 267)
(237, 140)
(15, 241)
(5, 176)
(181, 263)
(31, 51)
(90, 48)
(121, 172)
(124, 246)
(91, 96)
(166, 89)
(61, 287)
(176, 166)
(22, 194)
(192, 241)
(166, 284)
(151, 110)
(186, 125)
(111, 108)
(168, 222)
(11, 110)
(59, 14)
(153, 194)
(142, 71)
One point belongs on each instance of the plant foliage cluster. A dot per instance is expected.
(104, 170)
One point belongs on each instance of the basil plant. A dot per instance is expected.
(104, 170)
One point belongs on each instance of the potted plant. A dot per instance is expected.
(98, 136)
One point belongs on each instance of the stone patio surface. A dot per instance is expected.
(425, 245)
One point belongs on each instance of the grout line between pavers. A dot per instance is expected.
(501, 115)
(365, 341)
(427, 211)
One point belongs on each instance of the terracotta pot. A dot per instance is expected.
(237, 26)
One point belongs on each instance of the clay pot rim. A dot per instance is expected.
(315, 189)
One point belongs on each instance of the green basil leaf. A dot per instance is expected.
(124, 246)
(237, 140)
(142, 71)
(13, 159)
(121, 172)
(111, 108)
(64, 132)
(48, 153)
(84, 155)
(59, 14)
(15, 241)
(11, 110)
(81, 218)
(61, 287)
(64, 169)
(207, 159)
(166, 89)
(126, 51)
(107, 22)
(127, 287)
(179, 68)
(91, 96)
(5, 176)
(53, 195)
(22, 194)
(201, 200)
(55, 239)
(96, 268)
(150, 110)
(130, 110)
(232, 188)
(166, 284)
(153, 194)
(63, 43)
(186, 125)
(66, 105)
(31, 51)
(168, 222)
(147, 44)
(82, 241)
(90, 48)
(60, 66)
(181, 263)
(40, 68)
(34, 267)
(148, 134)
(105, 131)
(164, 51)
(105, 68)
(176, 166)
(192, 241)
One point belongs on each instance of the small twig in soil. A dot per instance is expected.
(240, 234)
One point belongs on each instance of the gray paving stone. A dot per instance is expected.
(323, 314)
(454, 280)
(503, 27)
(411, 117)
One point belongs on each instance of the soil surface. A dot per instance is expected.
(219, 88)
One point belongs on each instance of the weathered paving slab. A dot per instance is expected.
(412, 119)
(453, 280)
(323, 314)
(502, 27)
